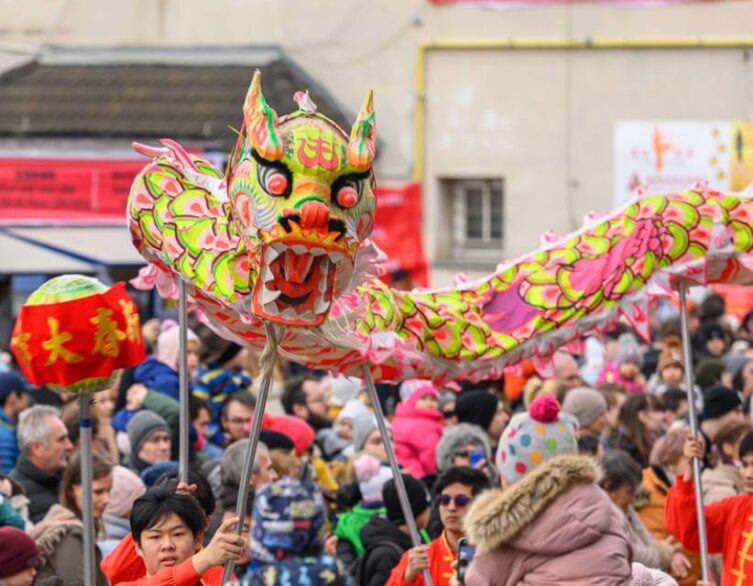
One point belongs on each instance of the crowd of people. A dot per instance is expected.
(581, 478)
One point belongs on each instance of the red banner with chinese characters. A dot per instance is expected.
(397, 230)
(66, 342)
(66, 189)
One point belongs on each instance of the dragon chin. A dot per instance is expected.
(296, 283)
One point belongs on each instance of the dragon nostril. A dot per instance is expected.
(314, 214)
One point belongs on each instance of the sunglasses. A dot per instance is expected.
(461, 500)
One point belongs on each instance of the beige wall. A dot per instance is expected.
(489, 112)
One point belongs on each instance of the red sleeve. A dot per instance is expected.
(680, 517)
(397, 577)
(123, 563)
(183, 574)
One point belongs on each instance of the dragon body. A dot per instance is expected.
(283, 236)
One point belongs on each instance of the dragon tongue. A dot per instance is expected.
(297, 266)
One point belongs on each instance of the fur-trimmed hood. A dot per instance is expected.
(509, 516)
(49, 532)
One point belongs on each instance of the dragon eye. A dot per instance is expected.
(347, 195)
(274, 180)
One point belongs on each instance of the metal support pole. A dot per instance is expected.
(183, 430)
(268, 359)
(396, 474)
(87, 508)
(689, 383)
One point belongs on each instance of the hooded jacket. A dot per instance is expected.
(60, 539)
(553, 527)
(416, 434)
(382, 556)
(158, 376)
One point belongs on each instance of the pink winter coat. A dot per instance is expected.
(553, 527)
(416, 433)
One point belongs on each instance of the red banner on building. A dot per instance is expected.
(398, 230)
(75, 189)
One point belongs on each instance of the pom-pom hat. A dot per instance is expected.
(534, 437)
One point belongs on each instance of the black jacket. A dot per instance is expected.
(41, 488)
(382, 557)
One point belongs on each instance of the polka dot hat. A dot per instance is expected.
(535, 437)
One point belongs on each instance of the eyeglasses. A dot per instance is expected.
(461, 500)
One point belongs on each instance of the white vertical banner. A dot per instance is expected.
(672, 156)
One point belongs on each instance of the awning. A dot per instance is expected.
(93, 246)
(17, 256)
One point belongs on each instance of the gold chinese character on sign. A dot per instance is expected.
(107, 336)
(133, 329)
(21, 344)
(55, 345)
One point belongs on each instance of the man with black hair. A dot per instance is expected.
(306, 397)
(675, 401)
(124, 562)
(167, 529)
(455, 490)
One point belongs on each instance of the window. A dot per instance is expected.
(476, 217)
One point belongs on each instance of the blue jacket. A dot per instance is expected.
(158, 376)
(8, 443)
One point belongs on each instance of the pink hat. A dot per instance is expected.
(126, 488)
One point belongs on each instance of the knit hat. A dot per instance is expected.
(446, 398)
(126, 488)
(168, 343)
(718, 401)
(412, 387)
(295, 428)
(714, 331)
(141, 427)
(477, 407)
(351, 411)
(289, 518)
(456, 437)
(708, 371)
(276, 441)
(151, 474)
(534, 437)
(17, 551)
(628, 350)
(418, 497)
(363, 426)
(371, 475)
(585, 404)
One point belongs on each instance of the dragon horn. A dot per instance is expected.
(362, 143)
(261, 122)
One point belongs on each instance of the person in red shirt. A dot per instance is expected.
(455, 489)
(168, 529)
(729, 522)
(124, 564)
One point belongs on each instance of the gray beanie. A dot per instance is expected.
(363, 426)
(454, 438)
(141, 427)
(585, 404)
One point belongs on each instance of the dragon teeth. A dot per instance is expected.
(298, 248)
(268, 296)
(318, 251)
(335, 257)
(289, 314)
(271, 254)
(266, 274)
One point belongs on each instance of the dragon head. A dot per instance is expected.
(302, 196)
